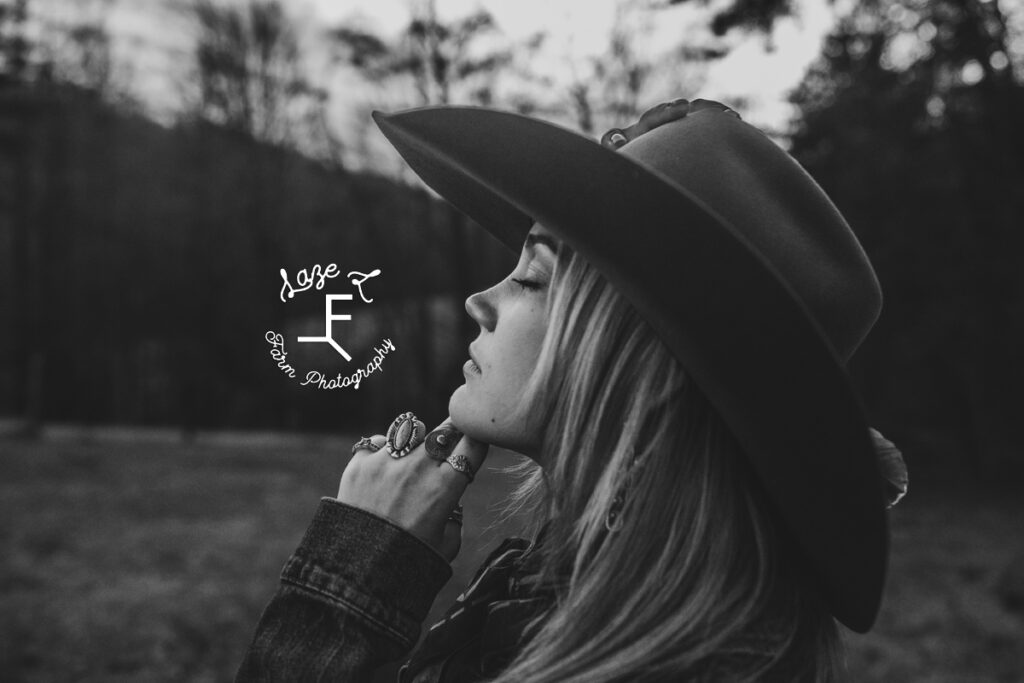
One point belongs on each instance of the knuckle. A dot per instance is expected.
(647, 116)
(662, 113)
(355, 472)
(378, 441)
(370, 468)
(659, 112)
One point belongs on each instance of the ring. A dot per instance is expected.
(460, 463)
(440, 443)
(366, 443)
(456, 514)
(614, 138)
(405, 434)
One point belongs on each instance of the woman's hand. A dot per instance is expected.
(656, 116)
(414, 491)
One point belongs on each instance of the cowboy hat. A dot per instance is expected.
(741, 264)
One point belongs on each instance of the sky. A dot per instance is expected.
(579, 28)
(152, 44)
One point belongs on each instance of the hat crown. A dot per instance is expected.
(767, 198)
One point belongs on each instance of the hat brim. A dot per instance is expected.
(718, 305)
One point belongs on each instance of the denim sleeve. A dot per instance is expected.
(352, 597)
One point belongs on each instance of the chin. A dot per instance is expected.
(472, 418)
(467, 417)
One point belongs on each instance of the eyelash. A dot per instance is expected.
(527, 284)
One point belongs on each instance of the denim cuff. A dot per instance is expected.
(369, 566)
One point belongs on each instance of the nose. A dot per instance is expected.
(481, 309)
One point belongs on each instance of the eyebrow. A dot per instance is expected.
(549, 242)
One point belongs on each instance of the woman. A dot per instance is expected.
(669, 350)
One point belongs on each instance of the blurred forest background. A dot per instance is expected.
(140, 246)
(140, 257)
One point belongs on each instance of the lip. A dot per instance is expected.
(472, 357)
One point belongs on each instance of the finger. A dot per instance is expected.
(614, 138)
(451, 540)
(698, 105)
(659, 115)
(441, 441)
(464, 463)
(369, 444)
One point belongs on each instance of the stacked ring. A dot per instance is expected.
(364, 442)
(441, 442)
(461, 464)
(405, 433)
(614, 138)
(456, 514)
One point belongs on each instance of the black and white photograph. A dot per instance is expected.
(545, 341)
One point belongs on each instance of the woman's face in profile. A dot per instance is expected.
(513, 320)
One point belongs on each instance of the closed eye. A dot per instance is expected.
(527, 284)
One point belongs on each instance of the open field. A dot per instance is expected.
(129, 562)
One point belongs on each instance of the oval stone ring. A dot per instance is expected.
(405, 434)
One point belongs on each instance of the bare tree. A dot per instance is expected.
(86, 59)
(615, 86)
(441, 62)
(250, 77)
(14, 46)
(71, 45)
(615, 79)
(436, 57)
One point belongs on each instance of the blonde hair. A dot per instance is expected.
(699, 583)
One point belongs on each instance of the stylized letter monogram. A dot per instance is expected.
(329, 317)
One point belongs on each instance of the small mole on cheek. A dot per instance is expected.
(492, 419)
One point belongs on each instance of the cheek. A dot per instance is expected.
(520, 354)
(486, 405)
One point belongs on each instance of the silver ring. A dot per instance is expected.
(456, 514)
(614, 138)
(366, 443)
(405, 433)
(460, 463)
(441, 442)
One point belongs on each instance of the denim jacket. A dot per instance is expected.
(355, 593)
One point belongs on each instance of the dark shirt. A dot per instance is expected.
(355, 593)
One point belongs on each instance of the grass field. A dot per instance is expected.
(129, 562)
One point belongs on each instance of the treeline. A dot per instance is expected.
(139, 264)
(912, 121)
(140, 273)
